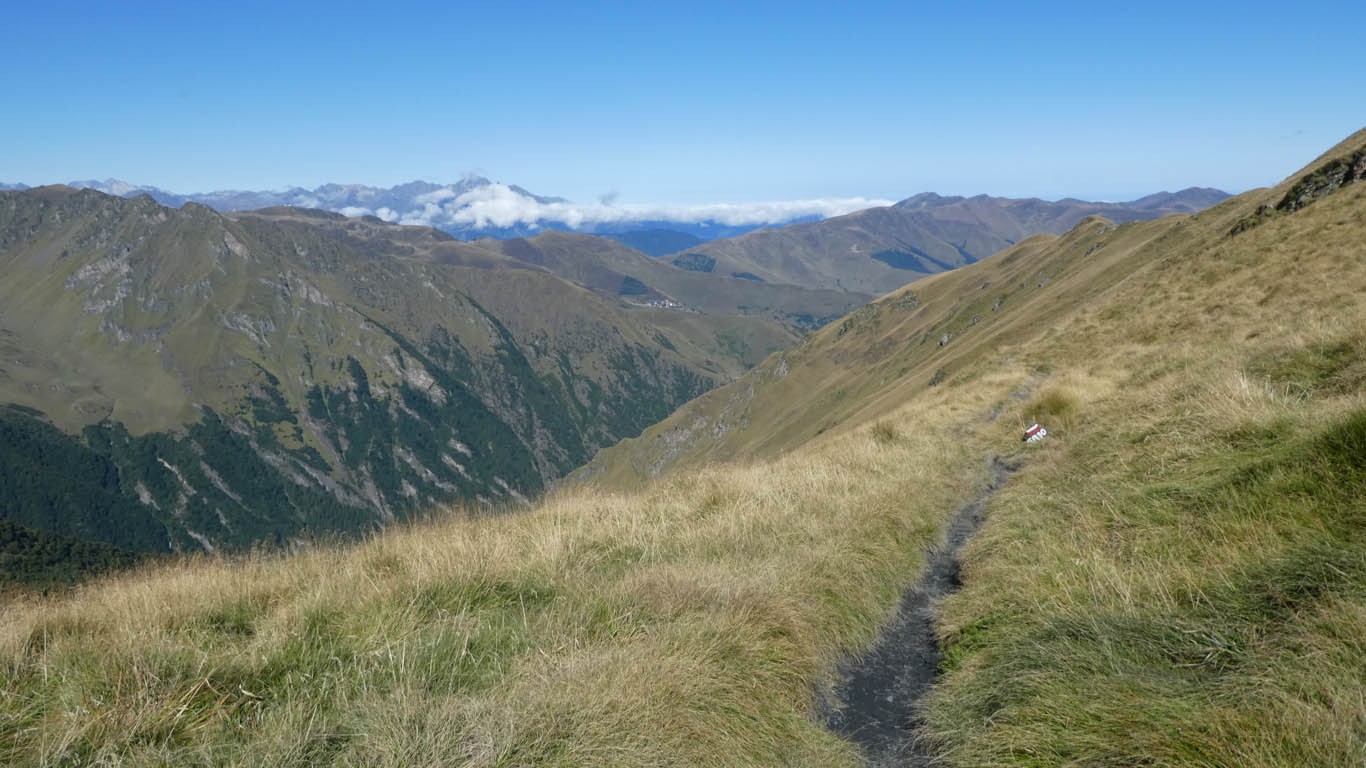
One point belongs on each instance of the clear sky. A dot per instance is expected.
(687, 102)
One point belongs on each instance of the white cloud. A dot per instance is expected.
(435, 196)
(353, 211)
(498, 205)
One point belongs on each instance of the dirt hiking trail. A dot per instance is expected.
(878, 694)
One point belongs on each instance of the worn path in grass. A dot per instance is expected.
(878, 694)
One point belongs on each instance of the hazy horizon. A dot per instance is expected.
(700, 105)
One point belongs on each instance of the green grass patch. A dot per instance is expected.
(1160, 621)
(1333, 367)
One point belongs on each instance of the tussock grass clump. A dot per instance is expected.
(1060, 403)
(1057, 406)
(884, 433)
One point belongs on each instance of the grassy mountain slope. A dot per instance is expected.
(921, 337)
(1174, 577)
(1177, 576)
(615, 270)
(249, 378)
(1183, 579)
(683, 626)
(708, 311)
(882, 249)
(656, 242)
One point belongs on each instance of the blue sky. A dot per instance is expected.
(681, 102)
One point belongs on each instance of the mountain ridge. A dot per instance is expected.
(476, 207)
(880, 249)
(262, 376)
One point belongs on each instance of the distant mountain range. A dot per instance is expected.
(881, 249)
(920, 235)
(857, 245)
(476, 207)
(656, 242)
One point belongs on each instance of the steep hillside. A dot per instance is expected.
(656, 242)
(881, 249)
(249, 378)
(1175, 576)
(895, 349)
(724, 325)
(613, 270)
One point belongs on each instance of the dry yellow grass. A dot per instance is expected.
(690, 623)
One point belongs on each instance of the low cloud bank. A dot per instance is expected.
(497, 205)
(478, 204)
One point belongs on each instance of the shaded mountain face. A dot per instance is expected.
(611, 269)
(880, 249)
(182, 379)
(656, 242)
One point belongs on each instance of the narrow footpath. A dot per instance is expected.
(879, 693)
